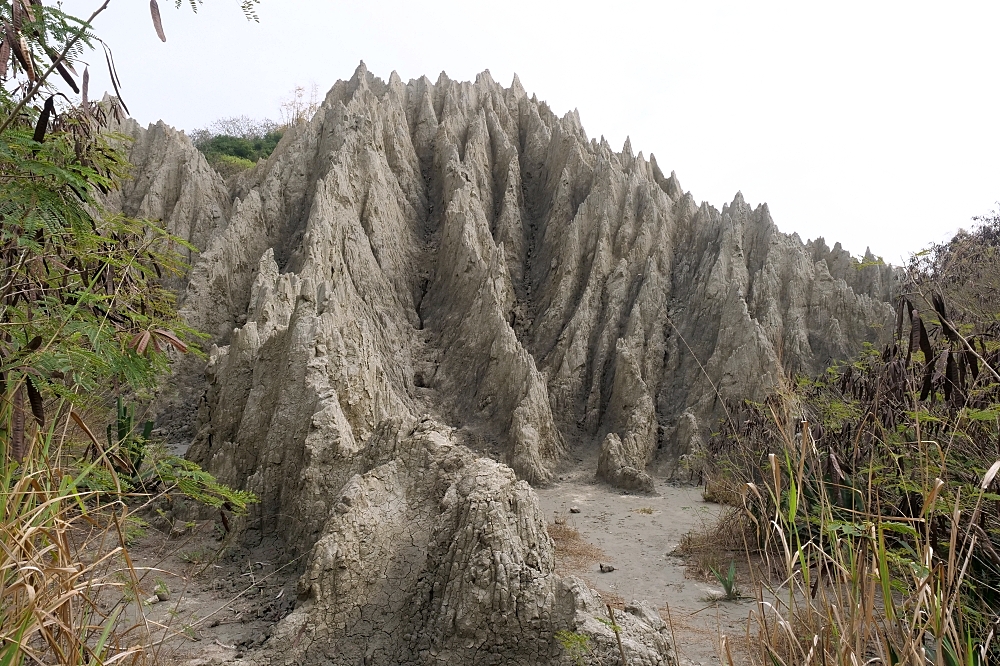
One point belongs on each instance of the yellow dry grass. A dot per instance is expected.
(574, 554)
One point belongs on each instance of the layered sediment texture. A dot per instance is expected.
(456, 250)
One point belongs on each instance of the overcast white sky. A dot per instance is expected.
(871, 123)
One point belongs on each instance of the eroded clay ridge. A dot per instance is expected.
(456, 249)
(424, 269)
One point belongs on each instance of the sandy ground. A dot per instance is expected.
(639, 535)
(218, 605)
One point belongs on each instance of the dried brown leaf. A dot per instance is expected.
(37, 404)
(114, 76)
(16, 16)
(172, 339)
(925, 343)
(4, 57)
(20, 50)
(17, 425)
(932, 496)
(83, 426)
(63, 68)
(27, 61)
(915, 324)
(142, 343)
(154, 10)
(990, 475)
(43, 120)
(28, 11)
(973, 360)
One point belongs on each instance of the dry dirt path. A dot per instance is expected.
(638, 535)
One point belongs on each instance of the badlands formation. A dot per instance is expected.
(429, 297)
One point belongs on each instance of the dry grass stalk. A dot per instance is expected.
(64, 582)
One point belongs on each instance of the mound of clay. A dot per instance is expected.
(432, 555)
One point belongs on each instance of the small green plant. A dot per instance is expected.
(645, 510)
(130, 448)
(577, 645)
(197, 555)
(134, 528)
(728, 582)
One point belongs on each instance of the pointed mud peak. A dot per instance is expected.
(458, 250)
(516, 90)
(484, 78)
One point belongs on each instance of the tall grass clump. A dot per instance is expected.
(871, 491)
(85, 322)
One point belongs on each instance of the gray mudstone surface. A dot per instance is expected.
(455, 249)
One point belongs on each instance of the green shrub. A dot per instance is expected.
(230, 154)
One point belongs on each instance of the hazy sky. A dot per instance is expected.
(871, 123)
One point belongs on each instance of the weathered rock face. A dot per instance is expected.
(455, 249)
(172, 182)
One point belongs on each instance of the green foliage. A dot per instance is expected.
(250, 149)
(577, 645)
(84, 319)
(728, 582)
(130, 448)
(192, 481)
(872, 487)
(875, 494)
(964, 271)
(232, 145)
